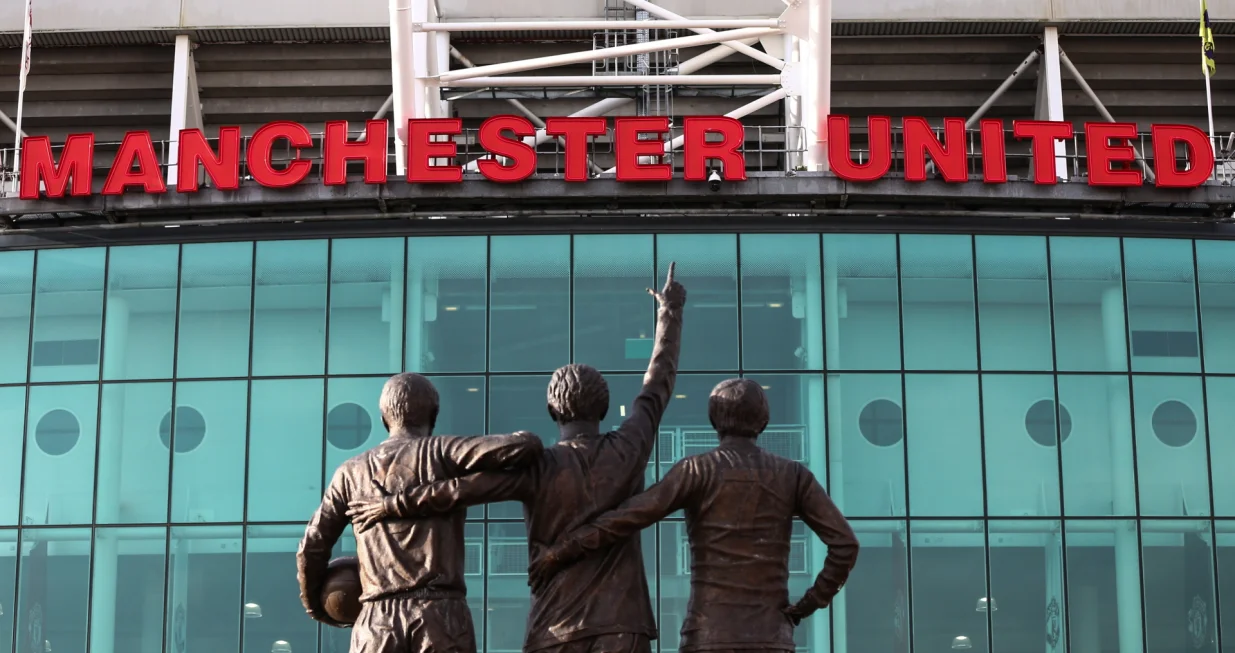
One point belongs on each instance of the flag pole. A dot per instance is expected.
(21, 90)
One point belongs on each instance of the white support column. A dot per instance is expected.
(1127, 547)
(809, 297)
(744, 48)
(402, 74)
(816, 64)
(793, 111)
(1053, 93)
(106, 549)
(186, 109)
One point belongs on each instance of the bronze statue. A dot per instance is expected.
(600, 605)
(411, 571)
(740, 502)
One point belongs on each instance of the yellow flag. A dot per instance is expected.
(1207, 42)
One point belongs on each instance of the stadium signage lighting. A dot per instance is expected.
(1109, 154)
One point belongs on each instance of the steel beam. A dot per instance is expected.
(449, 79)
(595, 25)
(186, 109)
(743, 48)
(816, 88)
(557, 81)
(401, 77)
(1097, 103)
(740, 112)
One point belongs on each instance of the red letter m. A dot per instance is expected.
(39, 167)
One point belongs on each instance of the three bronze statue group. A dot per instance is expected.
(584, 504)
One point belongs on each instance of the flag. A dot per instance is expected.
(1207, 42)
(1199, 595)
(33, 600)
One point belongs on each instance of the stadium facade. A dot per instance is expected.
(1012, 371)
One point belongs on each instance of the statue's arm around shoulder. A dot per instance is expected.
(490, 453)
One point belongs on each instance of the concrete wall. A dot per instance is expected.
(58, 15)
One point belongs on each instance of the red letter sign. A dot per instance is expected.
(880, 161)
(522, 156)
(38, 166)
(994, 152)
(698, 151)
(950, 159)
(136, 149)
(337, 151)
(1168, 175)
(1044, 134)
(421, 148)
(223, 170)
(627, 148)
(1100, 153)
(261, 154)
(574, 132)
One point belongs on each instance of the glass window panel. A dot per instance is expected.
(1103, 585)
(1215, 268)
(1161, 305)
(945, 457)
(674, 582)
(1225, 538)
(866, 442)
(949, 577)
(937, 301)
(8, 587)
(508, 596)
(12, 414)
(1022, 427)
(1014, 308)
(133, 459)
(140, 335)
(269, 552)
(60, 444)
(806, 557)
(1178, 568)
(126, 613)
(1221, 446)
(782, 302)
(623, 390)
(874, 606)
(1088, 296)
(16, 280)
(285, 449)
(529, 303)
(204, 589)
(1097, 456)
(615, 319)
(796, 430)
(54, 575)
(707, 267)
(447, 312)
(685, 430)
(208, 480)
(68, 314)
(365, 274)
(517, 403)
(289, 308)
(1026, 603)
(861, 296)
(1171, 451)
(216, 284)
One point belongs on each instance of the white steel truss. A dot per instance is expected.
(419, 37)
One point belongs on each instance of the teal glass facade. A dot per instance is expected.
(1028, 433)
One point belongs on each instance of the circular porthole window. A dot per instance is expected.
(882, 423)
(1040, 423)
(348, 426)
(190, 429)
(57, 432)
(1174, 423)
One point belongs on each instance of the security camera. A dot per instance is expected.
(714, 181)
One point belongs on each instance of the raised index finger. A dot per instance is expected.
(672, 266)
